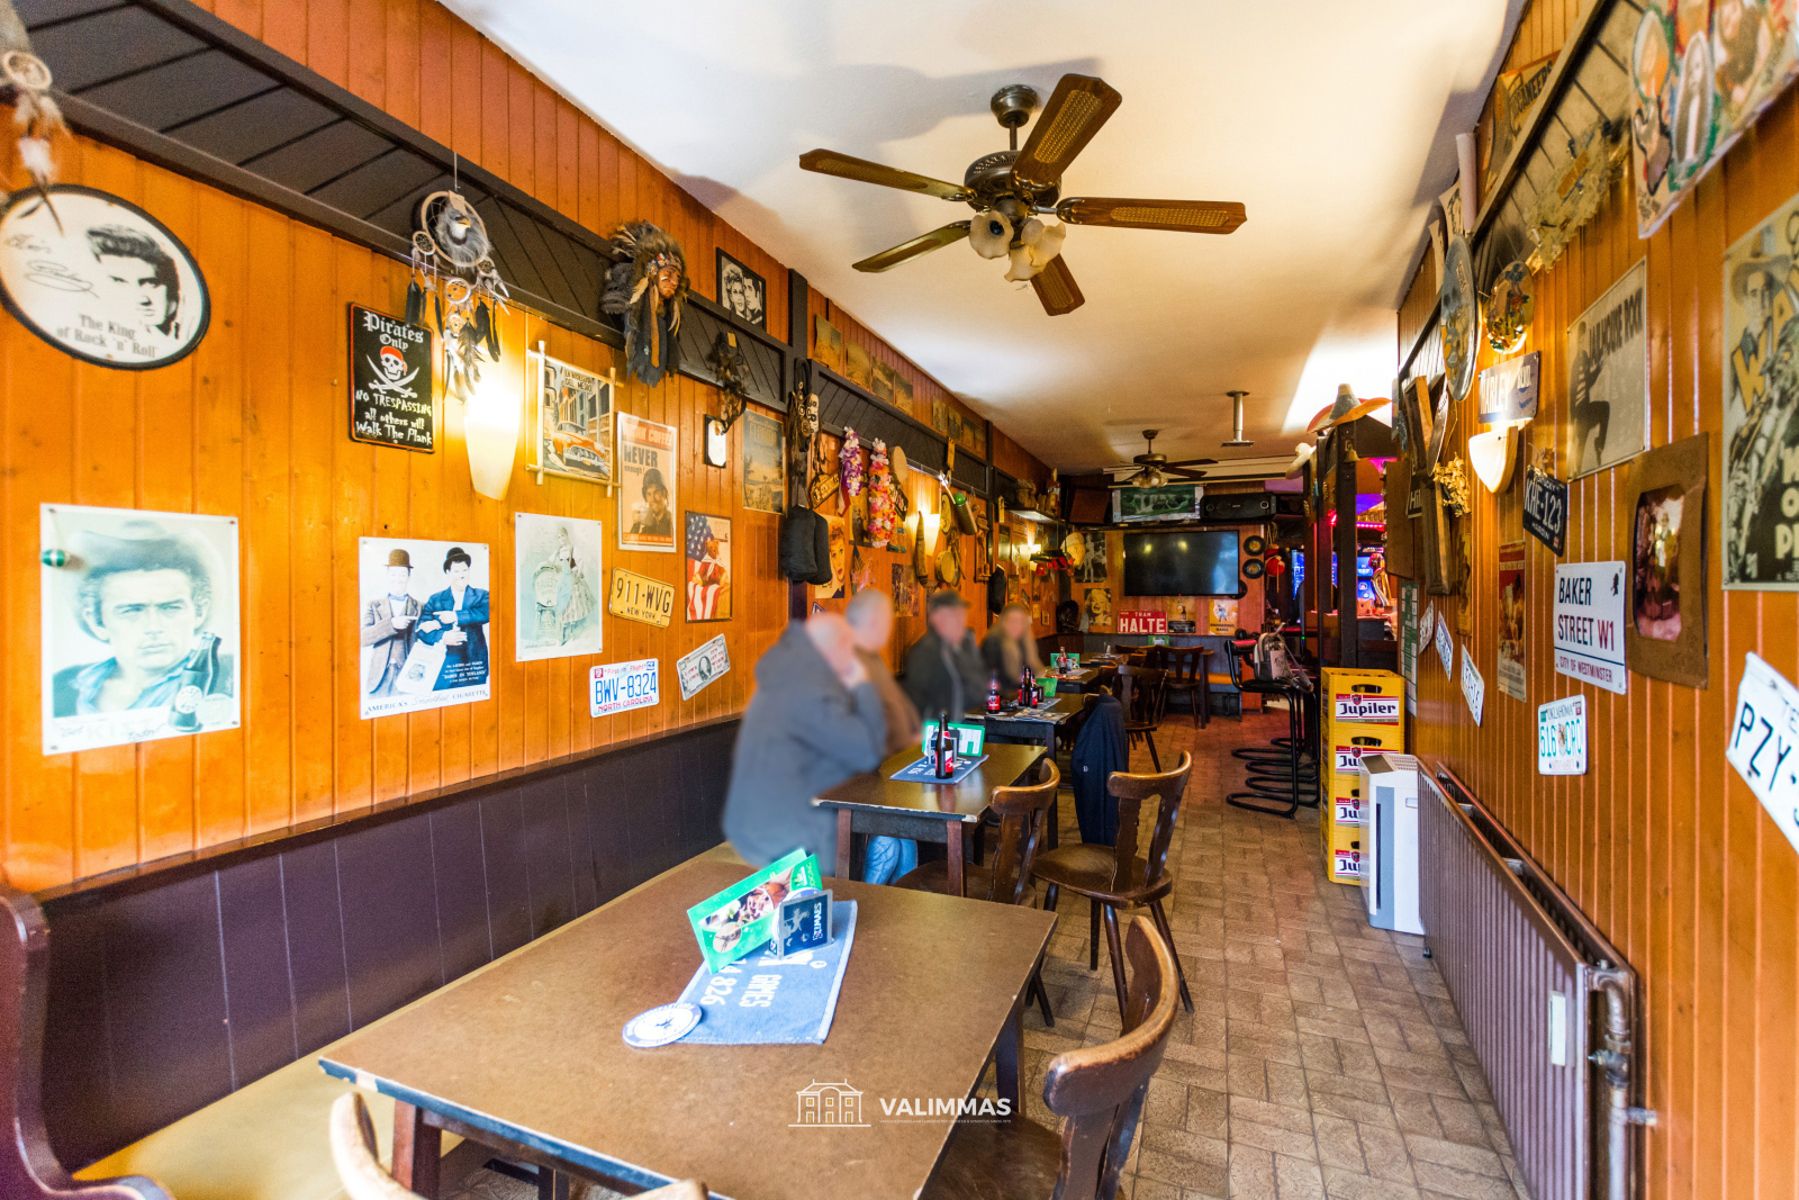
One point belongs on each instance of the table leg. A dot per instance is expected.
(1051, 835)
(953, 846)
(843, 843)
(418, 1147)
(1005, 1058)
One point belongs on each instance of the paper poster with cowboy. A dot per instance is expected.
(424, 611)
(1761, 405)
(390, 382)
(646, 491)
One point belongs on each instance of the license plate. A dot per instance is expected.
(639, 598)
(1764, 742)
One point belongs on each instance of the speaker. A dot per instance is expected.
(1237, 507)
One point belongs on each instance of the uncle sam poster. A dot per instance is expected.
(424, 610)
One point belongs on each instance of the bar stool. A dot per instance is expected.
(1282, 777)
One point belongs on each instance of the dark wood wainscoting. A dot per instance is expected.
(175, 984)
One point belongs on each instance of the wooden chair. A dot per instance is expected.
(1114, 877)
(364, 1178)
(1187, 677)
(1097, 1092)
(1145, 699)
(1023, 814)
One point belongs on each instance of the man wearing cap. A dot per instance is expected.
(944, 672)
(389, 624)
(653, 518)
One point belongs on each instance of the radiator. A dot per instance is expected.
(1549, 1005)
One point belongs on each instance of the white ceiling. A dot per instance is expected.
(1332, 122)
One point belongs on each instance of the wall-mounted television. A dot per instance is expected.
(1193, 563)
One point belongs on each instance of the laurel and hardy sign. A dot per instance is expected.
(390, 382)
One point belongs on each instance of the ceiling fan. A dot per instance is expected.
(1011, 189)
(1154, 470)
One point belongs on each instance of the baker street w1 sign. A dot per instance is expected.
(1589, 623)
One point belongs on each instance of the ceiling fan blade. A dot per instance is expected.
(1076, 110)
(1181, 216)
(1184, 472)
(1057, 289)
(924, 243)
(830, 162)
(1193, 462)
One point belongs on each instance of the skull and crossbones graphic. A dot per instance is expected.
(392, 378)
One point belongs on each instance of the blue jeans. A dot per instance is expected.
(888, 859)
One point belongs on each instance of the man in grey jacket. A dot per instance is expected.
(815, 720)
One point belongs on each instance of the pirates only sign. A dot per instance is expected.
(390, 382)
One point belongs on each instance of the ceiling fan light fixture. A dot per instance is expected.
(1023, 269)
(990, 234)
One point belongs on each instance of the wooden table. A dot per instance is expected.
(1084, 679)
(874, 803)
(526, 1055)
(1032, 726)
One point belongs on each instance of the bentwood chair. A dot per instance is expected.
(1122, 876)
(1145, 700)
(363, 1177)
(1023, 814)
(1187, 677)
(1097, 1092)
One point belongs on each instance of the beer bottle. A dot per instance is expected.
(198, 671)
(993, 700)
(946, 747)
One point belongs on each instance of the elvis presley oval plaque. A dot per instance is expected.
(100, 278)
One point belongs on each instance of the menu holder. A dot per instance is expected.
(741, 919)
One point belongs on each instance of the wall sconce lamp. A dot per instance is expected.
(492, 415)
(1493, 455)
(925, 528)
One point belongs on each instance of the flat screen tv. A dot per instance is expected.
(1195, 563)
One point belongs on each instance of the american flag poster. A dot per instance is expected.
(708, 567)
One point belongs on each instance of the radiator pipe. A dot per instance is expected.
(1614, 1061)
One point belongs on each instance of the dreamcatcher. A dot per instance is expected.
(731, 368)
(25, 84)
(452, 264)
(647, 287)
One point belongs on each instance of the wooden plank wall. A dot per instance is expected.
(254, 424)
(1661, 843)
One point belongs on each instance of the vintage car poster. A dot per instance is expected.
(557, 571)
(764, 464)
(571, 423)
(1700, 74)
(1511, 619)
(646, 485)
(1608, 377)
(1760, 483)
(390, 382)
(423, 612)
(708, 567)
(140, 625)
(99, 278)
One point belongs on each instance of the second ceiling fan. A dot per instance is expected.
(1011, 190)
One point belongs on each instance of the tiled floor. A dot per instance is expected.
(1323, 1058)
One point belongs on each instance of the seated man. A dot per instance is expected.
(815, 720)
(1010, 647)
(944, 672)
(870, 614)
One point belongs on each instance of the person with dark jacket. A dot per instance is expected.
(944, 672)
(815, 720)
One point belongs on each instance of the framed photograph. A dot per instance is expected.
(827, 344)
(764, 464)
(140, 626)
(423, 608)
(742, 292)
(882, 387)
(718, 443)
(571, 423)
(1665, 634)
(557, 575)
(1761, 398)
(646, 485)
(708, 567)
(856, 366)
(1608, 377)
(100, 279)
